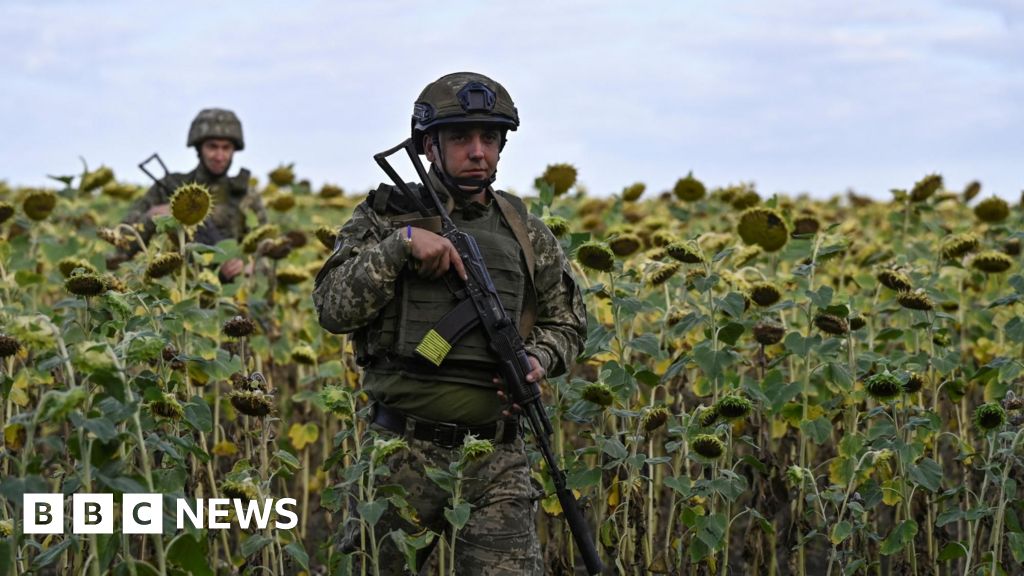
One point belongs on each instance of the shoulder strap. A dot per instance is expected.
(514, 211)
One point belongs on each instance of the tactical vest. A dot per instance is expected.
(389, 342)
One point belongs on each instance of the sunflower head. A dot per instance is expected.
(895, 280)
(654, 418)
(768, 333)
(331, 191)
(385, 448)
(883, 386)
(559, 226)
(252, 402)
(916, 300)
(662, 273)
(72, 263)
(167, 406)
(831, 324)
(283, 175)
(806, 225)
(474, 448)
(596, 256)
(744, 198)
(972, 190)
(764, 227)
(992, 262)
(276, 248)
(925, 188)
(304, 354)
(191, 203)
(625, 245)
(914, 383)
(857, 322)
(6, 211)
(689, 189)
(633, 192)
(561, 177)
(282, 202)
(989, 417)
(958, 245)
(245, 491)
(764, 294)
(252, 240)
(163, 264)
(707, 416)
(291, 275)
(9, 346)
(1012, 247)
(239, 327)
(85, 284)
(992, 210)
(685, 252)
(708, 446)
(38, 204)
(733, 406)
(598, 393)
(327, 236)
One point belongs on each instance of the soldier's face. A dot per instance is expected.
(469, 151)
(216, 154)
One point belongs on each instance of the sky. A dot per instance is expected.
(796, 96)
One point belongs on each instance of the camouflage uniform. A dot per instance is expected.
(356, 283)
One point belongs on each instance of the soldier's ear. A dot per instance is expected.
(428, 147)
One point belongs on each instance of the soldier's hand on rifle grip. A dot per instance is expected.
(434, 254)
(536, 375)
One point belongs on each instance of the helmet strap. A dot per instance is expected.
(199, 153)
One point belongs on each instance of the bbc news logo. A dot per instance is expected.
(144, 513)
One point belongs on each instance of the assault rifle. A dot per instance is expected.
(503, 339)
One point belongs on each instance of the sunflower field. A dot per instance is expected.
(769, 385)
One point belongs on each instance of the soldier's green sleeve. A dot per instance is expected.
(561, 329)
(359, 277)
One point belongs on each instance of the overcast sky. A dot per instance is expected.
(795, 95)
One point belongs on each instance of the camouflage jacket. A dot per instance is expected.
(359, 279)
(231, 199)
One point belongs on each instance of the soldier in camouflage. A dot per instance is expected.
(383, 283)
(216, 135)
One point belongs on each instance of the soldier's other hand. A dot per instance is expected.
(159, 210)
(434, 255)
(229, 269)
(536, 374)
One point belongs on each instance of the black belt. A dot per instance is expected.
(444, 434)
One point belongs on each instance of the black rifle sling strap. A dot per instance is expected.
(518, 225)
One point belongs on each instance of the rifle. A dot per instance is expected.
(503, 339)
(158, 181)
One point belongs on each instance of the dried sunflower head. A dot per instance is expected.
(245, 491)
(276, 248)
(163, 264)
(831, 324)
(685, 252)
(662, 273)
(283, 175)
(6, 211)
(1012, 247)
(972, 190)
(598, 393)
(958, 245)
(167, 406)
(327, 236)
(883, 386)
(474, 448)
(337, 399)
(764, 227)
(917, 300)
(291, 275)
(744, 198)
(857, 322)
(662, 238)
(252, 240)
(72, 263)
(331, 191)
(654, 418)
(708, 446)
(251, 402)
(633, 192)
(191, 203)
(895, 280)
(9, 346)
(913, 384)
(768, 333)
(806, 225)
(282, 202)
(38, 204)
(624, 245)
(689, 189)
(989, 417)
(96, 179)
(764, 294)
(707, 416)
(385, 448)
(304, 354)
(559, 226)
(733, 406)
(992, 210)
(84, 284)
(239, 327)
(992, 262)
(925, 188)
(561, 177)
(595, 256)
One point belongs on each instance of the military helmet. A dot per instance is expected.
(216, 123)
(462, 98)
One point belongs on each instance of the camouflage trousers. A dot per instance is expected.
(501, 535)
